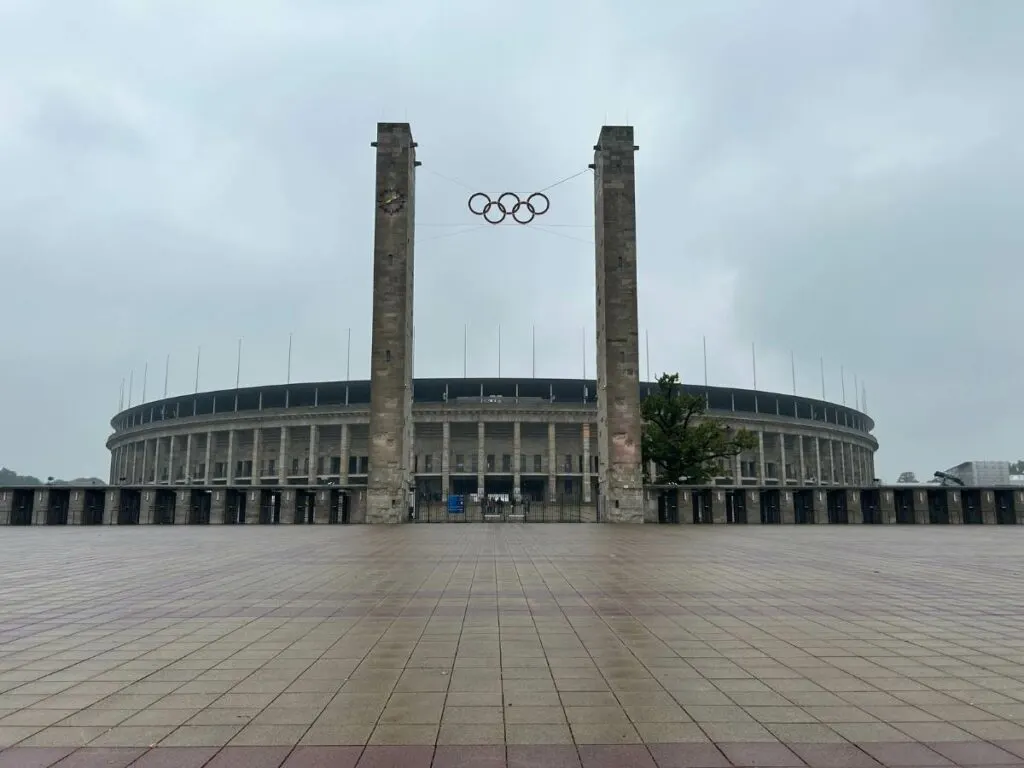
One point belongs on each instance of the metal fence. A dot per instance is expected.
(468, 509)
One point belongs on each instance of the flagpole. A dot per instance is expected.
(704, 342)
(533, 351)
(792, 365)
(842, 380)
(289, 379)
(348, 357)
(167, 371)
(583, 336)
(238, 364)
(856, 393)
(199, 354)
(647, 352)
(465, 349)
(822, 361)
(131, 387)
(145, 377)
(120, 399)
(499, 350)
(753, 360)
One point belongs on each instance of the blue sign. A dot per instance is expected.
(456, 505)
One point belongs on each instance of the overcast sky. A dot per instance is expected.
(830, 179)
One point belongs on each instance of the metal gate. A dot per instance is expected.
(470, 509)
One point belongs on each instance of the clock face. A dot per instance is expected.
(391, 201)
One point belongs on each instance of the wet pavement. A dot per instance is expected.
(511, 645)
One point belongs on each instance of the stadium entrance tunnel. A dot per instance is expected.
(803, 507)
(938, 507)
(903, 499)
(22, 506)
(164, 505)
(771, 513)
(871, 506)
(94, 504)
(200, 503)
(668, 507)
(58, 507)
(130, 506)
(836, 504)
(305, 507)
(700, 501)
(234, 506)
(270, 507)
(972, 506)
(1006, 511)
(338, 510)
(736, 507)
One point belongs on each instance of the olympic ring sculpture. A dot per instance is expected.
(509, 204)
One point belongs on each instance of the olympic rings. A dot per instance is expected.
(508, 204)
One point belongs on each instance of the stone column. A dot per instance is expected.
(787, 511)
(254, 477)
(346, 443)
(113, 466)
(817, 461)
(145, 462)
(182, 506)
(517, 461)
(853, 507)
(737, 470)
(760, 458)
(124, 462)
(7, 504)
(480, 456)
(620, 475)
(391, 349)
(170, 460)
(887, 507)
(551, 461)
(753, 507)
(76, 507)
(133, 462)
(586, 462)
(147, 507)
(842, 463)
(282, 458)
(988, 508)
(111, 505)
(156, 461)
(314, 450)
(718, 507)
(188, 459)
(820, 506)
(802, 480)
(783, 479)
(218, 506)
(287, 507)
(955, 503)
(207, 466)
(229, 476)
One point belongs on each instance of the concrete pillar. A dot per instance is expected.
(753, 507)
(145, 463)
(817, 461)
(787, 511)
(76, 507)
(133, 462)
(124, 462)
(802, 480)
(922, 515)
(820, 506)
(147, 507)
(113, 466)
(586, 462)
(188, 459)
(620, 475)
(314, 451)
(782, 458)
(391, 353)
(760, 458)
(287, 507)
(737, 470)
(156, 461)
(170, 459)
(481, 456)
(955, 503)
(854, 512)
(887, 506)
(229, 476)
(282, 458)
(207, 468)
(517, 461)
(346, 443)
(7, 504)
(182, 503)
(254, 478)
(844, 478)
(551, 461)
(988, 508)
(718, 507)
(218, 506)
(111, 504)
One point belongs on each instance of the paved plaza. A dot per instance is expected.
(511, 645)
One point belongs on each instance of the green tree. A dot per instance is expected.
(685, 444)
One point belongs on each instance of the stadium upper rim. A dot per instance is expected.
(462, 391)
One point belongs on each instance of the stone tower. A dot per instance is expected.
(389, 484)
(620, 476)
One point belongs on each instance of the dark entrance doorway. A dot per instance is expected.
(803, 507)
(668, 506)
(972, 506)
(199, 507)
(836, 504)
(129, 508)
(94, 504)
(771, 513)
(903, 500)
(701, 504)
(938, 508)
(736, 507)
(164, 507)
(871, 506)
(234, 506)
(339, 510)
(305, 505)
(270, 507)
(1006, 511)
(58, 507)
(22, 506)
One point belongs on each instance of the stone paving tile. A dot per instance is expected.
(572, 645)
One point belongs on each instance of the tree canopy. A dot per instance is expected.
(685, 444)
